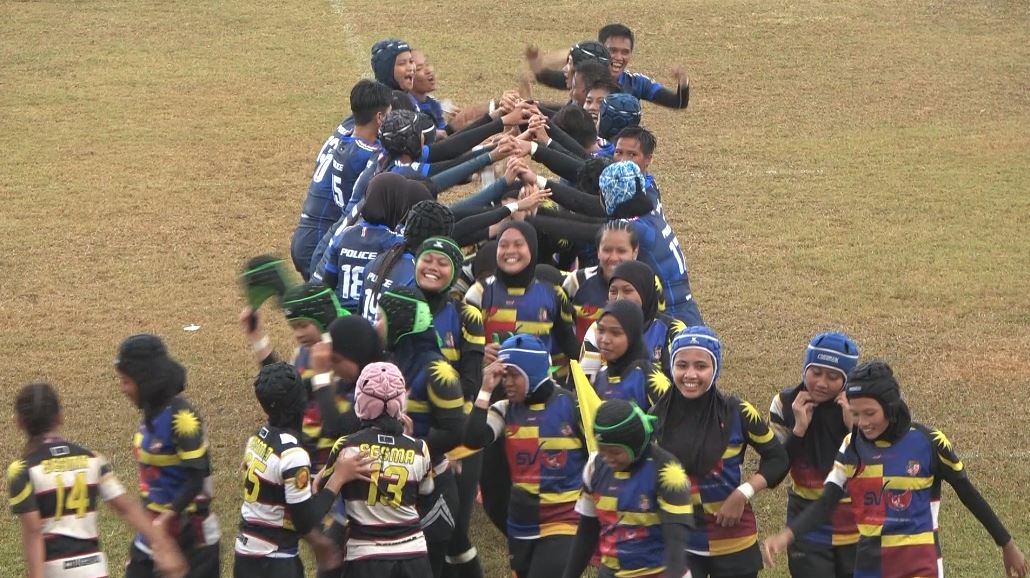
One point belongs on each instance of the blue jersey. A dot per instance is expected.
(432, 107)
(373, 168)
(402, 274)
(174, 444)
(641, 384)
(660, 250)
(631, 507)
(638, 85)
(350, 157)
(652, 193)
(605, 148)
(349, 252)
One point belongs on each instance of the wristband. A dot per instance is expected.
(261, 344)
(541, 182)
(512, 207)
(747, 489)
(484, 396)
(321, 380)
(532, 148)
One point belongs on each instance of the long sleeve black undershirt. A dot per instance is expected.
(588, 534)
(334, 423)
(476, 228)
(678, 98)
(558, 228)
(478, 433)
(463, 141)
(576, 200)
(562, 164)
(188, 489)
(566, 141)
(308, 514)
(551, 78)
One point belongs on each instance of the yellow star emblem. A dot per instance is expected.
(185, 423)
(750, 411)
(942, 440)
(471, 314)
(443, 371)
(658, 381)
(15, 469)
(673, 477)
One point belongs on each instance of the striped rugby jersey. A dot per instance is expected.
(641, 384)
(384, 519)
(64, 482)
(588, 291)
(806, 484)
(895, 492)
(175, 443)
(546, 454)
(277, 473)
(533, 310)
(631, 506)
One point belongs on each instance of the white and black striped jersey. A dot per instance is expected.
(384, 519)
(277, 473)
(64, 483)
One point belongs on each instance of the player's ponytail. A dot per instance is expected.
(37, 408)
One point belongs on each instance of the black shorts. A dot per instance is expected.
(261, 567)
(204, 562)
(743, 564)
(807, 559)
(539, 558)
(373, 568)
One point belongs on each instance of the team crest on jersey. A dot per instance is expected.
(899, 500)
(300, 481)
(556, 460)
(645, 503)
(913, 468)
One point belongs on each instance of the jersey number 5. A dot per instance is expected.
(396, 477)
(252, 485)
(77, 499)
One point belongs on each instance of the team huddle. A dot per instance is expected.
(533, 348)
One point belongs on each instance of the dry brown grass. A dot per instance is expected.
(857, 166)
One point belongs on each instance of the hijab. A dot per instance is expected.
(523, 278)
(630, 317)
(697, 431)
(642, 278)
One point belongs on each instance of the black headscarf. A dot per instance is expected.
(525, 277)
(697, 431)
(875, 379)
(826, 430)
(642, 278)
(631, 319)
(386, 201)
(484, 264)
(159, 378)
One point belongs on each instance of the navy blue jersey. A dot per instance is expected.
(350, 157)
(402, 274)
(360, 185)
(638, 85)
(349, 252)
(652, 193)
(432, 107)
(660, 250)
(605, 148)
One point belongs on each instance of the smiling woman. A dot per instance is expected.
(892, 469)
(709, 433)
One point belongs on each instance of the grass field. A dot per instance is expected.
(862, 166)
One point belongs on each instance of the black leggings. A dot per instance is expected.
(831, 561)
(539, 558)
